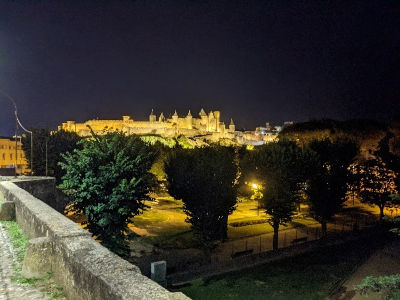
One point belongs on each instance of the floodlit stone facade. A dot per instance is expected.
(205, 124)
(8, 153)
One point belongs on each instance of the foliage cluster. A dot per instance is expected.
(206, 181)
(362, 131)
(280, 168)
(329, 176)
(108, 180)
(49, 146)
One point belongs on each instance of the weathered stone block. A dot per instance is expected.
(37, 261)
(159, 271)
(7, 211)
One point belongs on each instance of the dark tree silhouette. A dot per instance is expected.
(329, 176)
(280, 168)
(206, 181)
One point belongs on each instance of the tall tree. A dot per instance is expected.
(327, 184)
(389, 154)
(377, 184)
(108, 180)
(47, 150)
(206, 181)
(280, 169)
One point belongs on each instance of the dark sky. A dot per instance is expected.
(256, 61)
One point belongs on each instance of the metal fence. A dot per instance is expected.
(290, 237)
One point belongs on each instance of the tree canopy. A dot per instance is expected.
(279, 167)
(329, 177)
(49, 146)
(206, 180)
(108, 180)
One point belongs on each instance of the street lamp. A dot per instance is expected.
(257, 194)
(18, 122)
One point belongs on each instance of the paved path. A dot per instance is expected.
(383, 262)
(10, 290)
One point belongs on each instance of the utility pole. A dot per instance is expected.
(16, 151)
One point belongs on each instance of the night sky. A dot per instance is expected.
(256, 61)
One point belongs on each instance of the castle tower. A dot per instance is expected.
(217, 116)
(221, 127)
(152, 117)
(189, 120)
(232, 126)
(211, 122)
(203, 117)
(161, 118)
(175, 117)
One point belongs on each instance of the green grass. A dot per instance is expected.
(149, 217)
(18, 238)
(308, 276)
(163, 225)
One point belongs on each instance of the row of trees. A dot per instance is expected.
(206, 179)
(108, 180)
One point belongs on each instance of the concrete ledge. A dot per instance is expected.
(7, 211)
(36, 262)
(36, 218)
(85, 268)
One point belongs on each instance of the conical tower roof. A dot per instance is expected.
(231, 123)
(202, 113)
(175, 113)
(189, 114)
(152, 112)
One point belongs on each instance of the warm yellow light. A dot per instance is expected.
(254, 186)
(250, 147)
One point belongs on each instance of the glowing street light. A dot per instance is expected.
(257, 194)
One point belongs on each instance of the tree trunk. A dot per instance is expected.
(275, 238)
(323, 228)
(224, 227)
(381, 214)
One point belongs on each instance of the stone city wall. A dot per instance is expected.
(84, 268)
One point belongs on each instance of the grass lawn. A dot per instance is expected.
(308, 276)
(163, 224)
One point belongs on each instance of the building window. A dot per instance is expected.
(10, 155)
(4, 156)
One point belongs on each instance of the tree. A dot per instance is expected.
(329, 178)
(108, 180)
(389, 153)
(206, 180)
(376, 184)
(280, 169)
(49, 146)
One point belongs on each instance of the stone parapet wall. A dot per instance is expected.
(84, 268)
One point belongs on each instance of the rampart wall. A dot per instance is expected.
(84, 268)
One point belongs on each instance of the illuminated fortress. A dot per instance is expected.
(209, 125)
